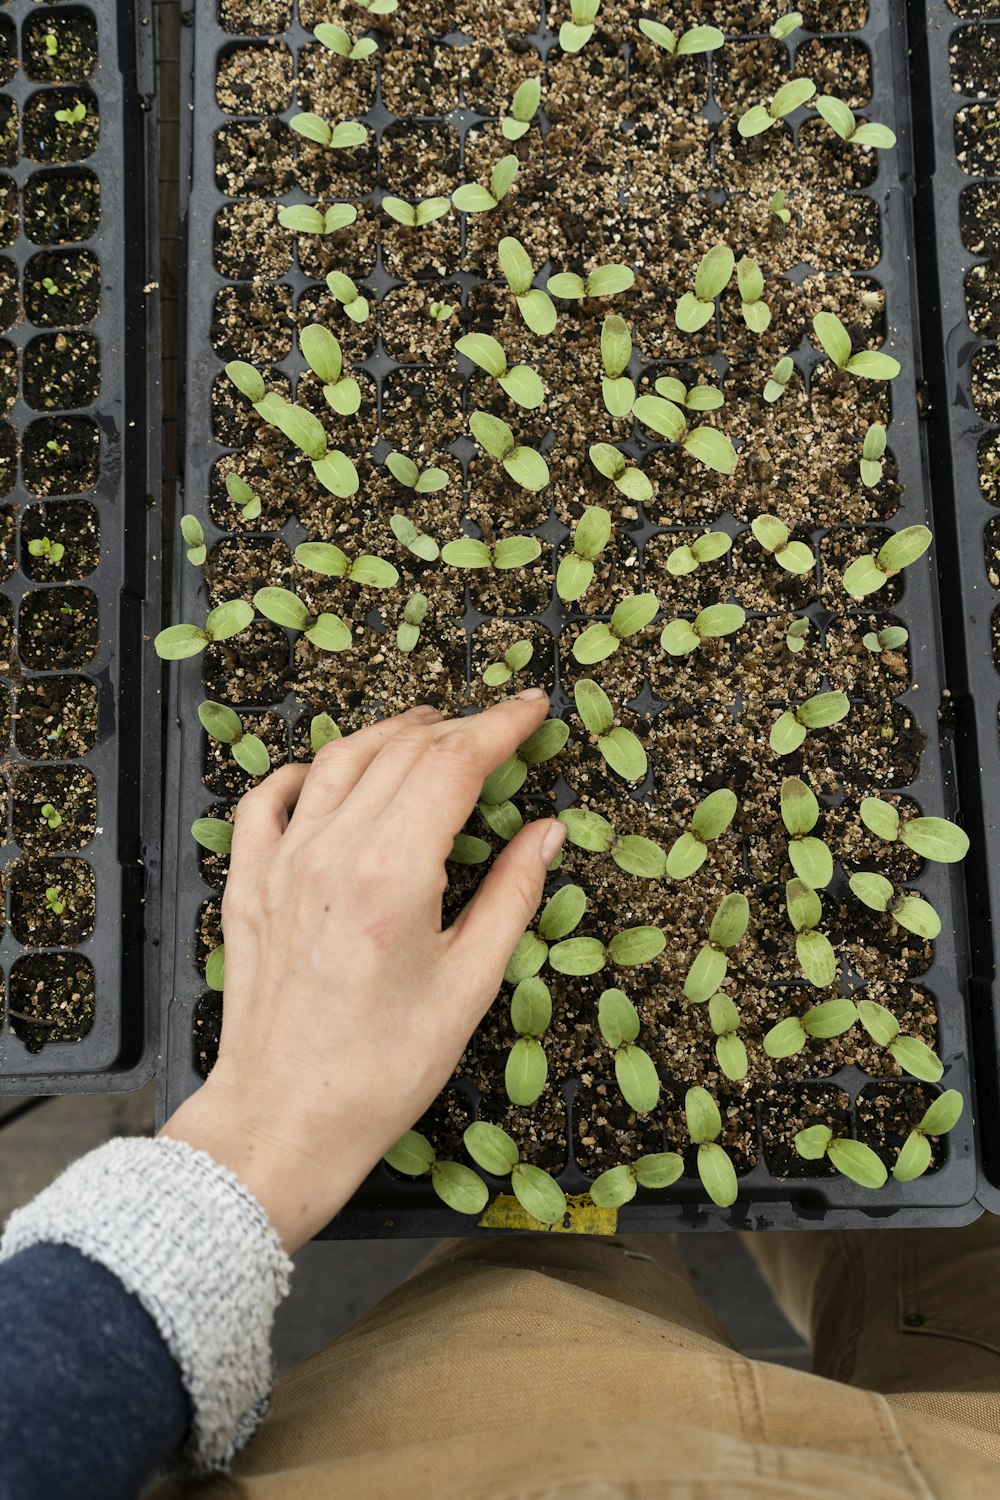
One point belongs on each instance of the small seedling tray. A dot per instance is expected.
(117, 1050)
(384, 1205)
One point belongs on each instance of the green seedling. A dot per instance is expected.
(591, 535)
(327, 632)
(336, 40)
(75, 115)
(377, 7)
(621, 749)
(408, 629)
(730, 1051)
(750, 282)
(835, 341)
(514, 660)
(455, 1184)
(852, 1159)
(560, 915)
(66, 609)
(772, 534)
(912, 1055)
(526, 466)
(473, 198)
(468, 850)
(523, 108)
(626, 478)
(711, 963)
(322, 354)
(322, 731)
(494, 805)
(892, 638)
(707, 548)
(535, 306)
(911, 912)
(709, 821)
(796, 635)
(686, 43)
(785, 25)
(343, 136)
(681, 637)
(527, 1068)
(416, 215)
(828, 1019)
(411, 477)
(224, 724)
(843, 122)
(602, 281)
(42, 546)
(635, 1070)
(51, 44)
(628, 949)
(937, 1119)
(439, 312)
(56, 733)
(813, 949)
(618, 1186)
(616, 351)
(215, 969)
(52, 446)
(248, 381)
(777, 382)
(630, 851)
(932, 838)
(213, 834)
(331, 562)
(344, 290)
(867, 574)
(519, 382)
(808, 856)
(872, 451)
(334, 470)
(54, 901)
(711, 278)
(777, 208)
(493, 1150)
(301, 218)
(709, 446)
(242, 495)
(697, 398)
(53, 289)
(789, 730)
(415, 541)
(193, 534)
(704, 1123)
(226, 620)
(51, 815)
(598, 642)
(509, 552)
(790, 97)
(576, 33)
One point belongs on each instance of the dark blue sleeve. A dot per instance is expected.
(91, 1401)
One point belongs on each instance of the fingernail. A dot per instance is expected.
(553, 841)
(531, 695)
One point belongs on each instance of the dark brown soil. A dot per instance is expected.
(51, 999)
(60, 207)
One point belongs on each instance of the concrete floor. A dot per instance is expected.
(337, 1281)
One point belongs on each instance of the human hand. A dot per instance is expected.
(346, 1005)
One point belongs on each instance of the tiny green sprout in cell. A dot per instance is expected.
(785, 25)
(808, 856)
(344, 290)
(51, 44)
(302, 218)
(514, 660)
(576, 32)
(322, 354)
(242, 495)
(843, 122)
(892, 638)
(750, 281)
(51, 815)
(494, 805)
(872, 451)
(603, 281)
(509, 552)
(628, 949)
(335, 39)
(777, 382)
(790, 729)
(560, 915)
(526, 466)
(621, 749)
(616, 351)
(535, 306)
(790, 97)
(680, 637)
(332, 562)
(711, 963)
(51, 286)
(911, 912)
(334, 470)
(415, 215)
(772, 534)
(226, 620)
(709, 822)
(57, 732)
(598, 642)
(194, 536)
(813, 949)
(852, 1159)
(413, 539)
(730, 1051)
(519, 382)
(696, 308)
(523, 108)
(52, 446)
(626, 478)
(634, 1069)
(911, 1054)
(706, 444)
(455, 1184)
(213, 834)
(704, 549)
(828, 1019)
(937, 1119)
(777, 208)
(493, 1150)
(686, 43)
(473, 198)
(527, 1067)
(439, 312)
(42, 546)
(695, 398)
(75, 115)
(618, 1186)
(796, 636)
(408, 629)
(835, 341)
(932, 838)
(867, 574)
(630, 851)
(54, 901)
(343, 136)
(590, 537)
(224, 724)
(327, 632)
(322, 731)
(704, 1123)
(411, 477)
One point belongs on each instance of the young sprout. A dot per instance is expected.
(772, 534)
(52, 446)
(795, 636)
(340, 137)
(54, 901)
(912, 1055)
(790, 97)
(598, 642)
(628, 949)
(602, 281)
(711, 963)
(519, 382)
(51, 815)
(408, 629)
(75, 115)
(890, 639)
(808, 856)
(492, 1149)
(697, 398)
(494, 805)
(696, 308)
(590, 537)
(911, 912)
(224, 724)
(620, 748)
(343, 289)
(777, 382)
(630, 851)
(937, 1119)
(828, 1019)
(709, 822)
(560, 915)
(709, 446)
(618, 1186)
(415, 215)
(626, 478)
(842, 122)
(411, 477)
(730, 1051)
(835, 341)
(777, 207)
(248, 381)
(334, 470)
(750, 281)
(634, 1069)
(535, 306)
(867, 574)
(467, 850)
(213, 834)
(527, 1066)
(335, 39)
(472, 198)
(789, 730)
(526, 466)
(785, 25)
(508, 552)
(51, 44)
(932, 838)
(301, 218)
(696, 39)
(439, 312)
(680, 637)
(514, 660)
(331, 562)
(704, 1123)
(616, 351)
(226, 620)
(413, 1155)
(322, 731)
(852, 1159)
(409, 536)
(872, 450)
(523, 107)
(813, 949)
(51, 287)
(377, 7)
(43, 547)
(708, 547)
(242, 495)
(321, 351)
(215, 969)
(194, 536)
(327, 632)
(577, 32)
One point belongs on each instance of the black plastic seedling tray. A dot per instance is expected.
(384, 1205)
(118, 1051)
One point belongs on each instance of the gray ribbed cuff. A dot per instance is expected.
(196, 1248)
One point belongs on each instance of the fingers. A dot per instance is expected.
(259, 821)
(340, 765)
